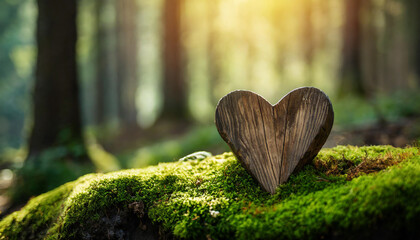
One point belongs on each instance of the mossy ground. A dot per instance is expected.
(347, 192)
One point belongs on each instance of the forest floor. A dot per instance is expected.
(402, 133)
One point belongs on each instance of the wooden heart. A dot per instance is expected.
(272, 142)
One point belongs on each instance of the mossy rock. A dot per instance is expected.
(346, 193)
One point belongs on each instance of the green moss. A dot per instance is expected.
(215, 197)
(35, 218)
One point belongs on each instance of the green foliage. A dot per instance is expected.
(103, 161)
(55, 166)
(352, 110)
(216, 198)
(170, 150)
(49, 169)
(400, 104)
(11, 156)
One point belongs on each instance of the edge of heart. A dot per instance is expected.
(307, 154)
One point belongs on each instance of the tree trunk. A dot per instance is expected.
(351, 73)
(413, 33)
(57, 120)
(102, 64)
(308, 41)
(175, 101)
(213, 59)
(396, 53)
(127, 79)
(371, 60)
(417, 43)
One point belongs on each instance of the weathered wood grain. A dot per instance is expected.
(272, 142)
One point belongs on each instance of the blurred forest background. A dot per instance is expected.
(129, 83)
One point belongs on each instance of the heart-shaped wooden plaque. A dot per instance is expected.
(272, 142)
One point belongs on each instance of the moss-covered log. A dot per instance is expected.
(347, 193)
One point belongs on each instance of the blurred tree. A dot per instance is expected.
(395, 57)
(57, 120)
(412, 8)
(57, 151)
(351, 72)
(369, 53)
(213, 59)
(308, 40)
(384, 48)
(102, 63)
(127, 78)
(175, 100)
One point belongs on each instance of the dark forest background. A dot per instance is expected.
(101, 85)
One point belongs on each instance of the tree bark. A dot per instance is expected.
(175, 101)
(351, 73)
(127, 78)
(57, 115)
